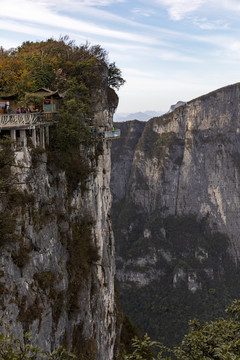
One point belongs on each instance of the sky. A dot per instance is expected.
(167, 50)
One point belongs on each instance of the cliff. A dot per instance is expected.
(57, 248)
(123, 157)
(175, 214)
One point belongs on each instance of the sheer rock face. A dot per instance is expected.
(38, 293)
(187, 162)
(123, 157)
(207, 180)
(105, 102)
(176, 199)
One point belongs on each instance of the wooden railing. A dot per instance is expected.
(29, 119)
(15, 120)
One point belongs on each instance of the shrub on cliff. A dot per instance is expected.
(10, 195)
(12, 348)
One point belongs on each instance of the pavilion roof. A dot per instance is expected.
(46, 93)
(8, 96)
(41, 92)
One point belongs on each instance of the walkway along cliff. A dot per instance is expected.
(57, 262)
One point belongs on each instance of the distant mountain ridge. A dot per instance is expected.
(141, 116)
(146, 115)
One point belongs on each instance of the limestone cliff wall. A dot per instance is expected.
(123, 157)
(36, 294)
(176, 200)
(57, 269)
(188, 162)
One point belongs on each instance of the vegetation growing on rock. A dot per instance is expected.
(12, 198)
(14, 348)
(161, 305)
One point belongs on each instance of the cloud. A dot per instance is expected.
(97, 2)
(15, 26)
(132, 72)
(144, 40)
(222, 46)
(178, 9)
(143, 12)
(205, 24)
(29, 10)
(35, 10)
(232, 5)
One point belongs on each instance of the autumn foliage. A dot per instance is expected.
(51, 64)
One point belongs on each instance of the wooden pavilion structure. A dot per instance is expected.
(34, 122)
(51, 101)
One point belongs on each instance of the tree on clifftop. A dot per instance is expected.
(52, 63)
(115, 79)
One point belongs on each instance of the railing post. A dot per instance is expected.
(47, 134)
(13, 134)
(23, 138)
(42, 137)
(34, 137)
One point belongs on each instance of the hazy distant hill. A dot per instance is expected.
(142, 116)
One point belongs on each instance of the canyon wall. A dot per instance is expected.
(57, 262)
(176, 201)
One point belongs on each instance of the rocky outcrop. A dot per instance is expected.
(173, 107)
(179, 199)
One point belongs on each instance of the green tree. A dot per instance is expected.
(115, 79)
(146, 349)
(217, 340)
(72, 128)
(31, 99)
(51, 63)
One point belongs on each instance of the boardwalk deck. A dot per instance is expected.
(27, 120)
(19, 126)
